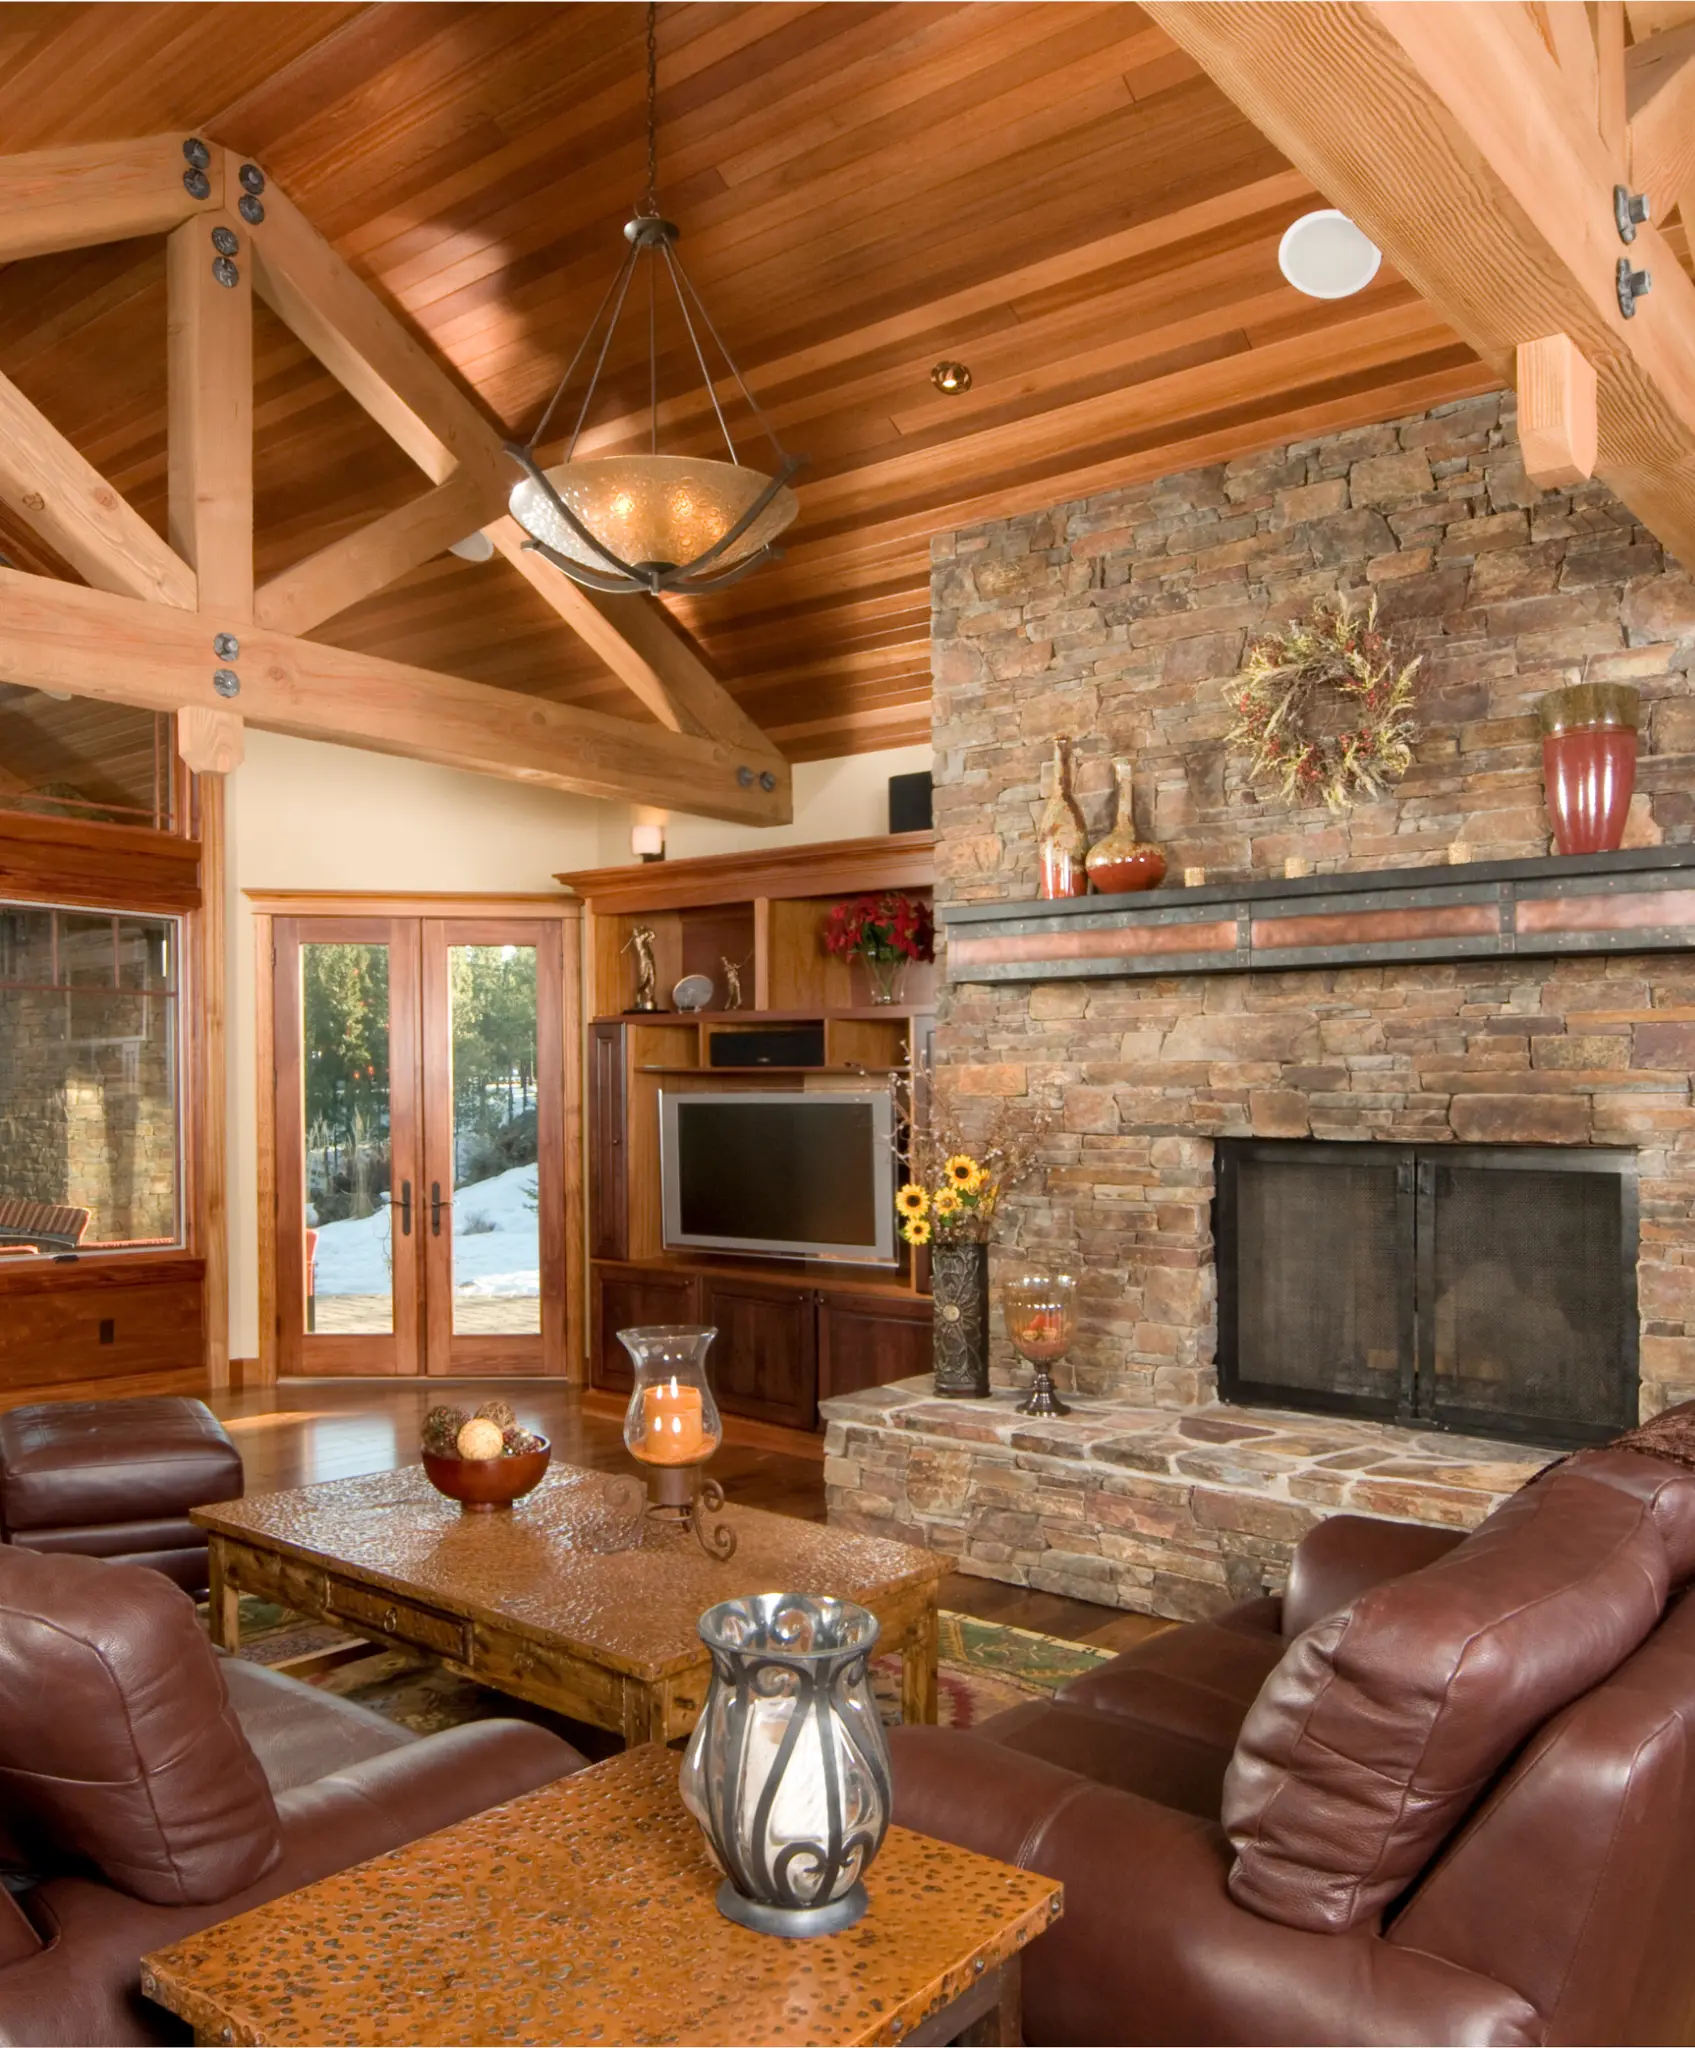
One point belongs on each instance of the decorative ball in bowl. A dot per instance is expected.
(483, 1461)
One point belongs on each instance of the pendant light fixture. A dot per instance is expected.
(652, 522)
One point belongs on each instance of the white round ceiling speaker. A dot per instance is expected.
(1324, 255)
(475, 547)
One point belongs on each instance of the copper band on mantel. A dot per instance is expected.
(1119, 942)
(1660, 910)
(1377, 927)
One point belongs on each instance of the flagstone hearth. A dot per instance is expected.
(1171, 1512)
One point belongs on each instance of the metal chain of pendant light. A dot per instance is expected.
(652, 522)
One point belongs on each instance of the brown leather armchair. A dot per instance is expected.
(1443, 1791)
(149, 1788)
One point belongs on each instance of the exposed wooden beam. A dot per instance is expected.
(209, 443)
(366, 348)
(1661, 93)
(55, 636)
(1556, 412)
(1611, 113)
(77, 512)
(364, 562)
(53, 199)
(210, 742)
(637, 641)
(1496, 204)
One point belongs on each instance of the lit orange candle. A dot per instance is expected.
(673, 1432)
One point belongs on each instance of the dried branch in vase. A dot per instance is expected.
(957, 1169)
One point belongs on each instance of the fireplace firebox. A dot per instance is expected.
(1488, 1289)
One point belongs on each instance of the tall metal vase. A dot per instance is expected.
(959, 1287)
(787, 1771)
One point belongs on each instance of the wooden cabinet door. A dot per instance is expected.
(608, 1175)
(625, 1301)
(867, 1340)
(765, 1361)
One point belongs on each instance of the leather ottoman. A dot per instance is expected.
(116, 1479)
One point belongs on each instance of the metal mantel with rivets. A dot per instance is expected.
(1641, 901)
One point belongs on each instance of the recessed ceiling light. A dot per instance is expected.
(951, 378)
(1324, 255)
(475, 547)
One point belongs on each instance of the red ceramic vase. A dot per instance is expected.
(1121, 862)
(1589, 763)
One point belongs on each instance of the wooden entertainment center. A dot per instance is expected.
(790, 1331)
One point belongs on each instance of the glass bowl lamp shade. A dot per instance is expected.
(787, 1771)
(663, 519)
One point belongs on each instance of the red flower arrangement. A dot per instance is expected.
(892, 926)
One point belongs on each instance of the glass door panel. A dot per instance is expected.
(496, 1249)
(347, 1121)
(494, 1145)
(348, 1193)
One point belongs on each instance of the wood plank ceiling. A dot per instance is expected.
(1051, 193)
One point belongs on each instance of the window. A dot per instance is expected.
(75, 758)
(90, 1152)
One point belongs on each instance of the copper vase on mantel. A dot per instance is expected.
(1589, 763)
(1062, 839)
(1121, 863)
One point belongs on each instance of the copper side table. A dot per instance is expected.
(584, 1913)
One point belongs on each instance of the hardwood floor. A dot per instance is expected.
(300, 1432)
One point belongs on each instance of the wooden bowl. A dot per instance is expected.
(481, 1484)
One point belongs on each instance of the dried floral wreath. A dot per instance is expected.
(1324, 710)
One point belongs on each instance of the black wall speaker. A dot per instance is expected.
(909, 802)
(777, 1045)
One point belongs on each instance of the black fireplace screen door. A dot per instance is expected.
(1489, 1289)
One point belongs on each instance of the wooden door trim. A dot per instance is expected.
(565, 1350)
(383, 903)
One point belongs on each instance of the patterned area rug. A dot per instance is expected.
(982, 1668)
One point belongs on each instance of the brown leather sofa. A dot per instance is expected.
(149, 1788)
(116, 1479)
(1443, 1791)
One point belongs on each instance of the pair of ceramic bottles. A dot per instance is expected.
(1068, 864)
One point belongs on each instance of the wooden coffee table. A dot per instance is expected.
(515, 1601)
(584, 1913)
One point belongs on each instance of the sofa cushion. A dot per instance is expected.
(1197, 1681)
(118, 1745)
(67, 1462)
(1384, 1723)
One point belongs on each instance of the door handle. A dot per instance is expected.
(436, 1207)
(406, 1208)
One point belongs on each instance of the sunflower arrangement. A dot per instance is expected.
(1323, 709)
(954, 1184)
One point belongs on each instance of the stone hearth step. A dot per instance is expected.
(1175, 1512)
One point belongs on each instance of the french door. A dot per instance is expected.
(420, 1145)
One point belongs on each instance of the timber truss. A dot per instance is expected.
(1499, 155)
(178, 626)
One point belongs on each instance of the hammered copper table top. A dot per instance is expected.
(634, 1611)
(584, 1913)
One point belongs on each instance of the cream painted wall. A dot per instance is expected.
(307, 816)
(842, 799)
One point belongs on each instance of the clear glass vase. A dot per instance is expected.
(672, 1418)
(887, 977)
(787, 1771)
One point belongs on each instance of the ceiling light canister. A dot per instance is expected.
(1326, 256)
(951, 377)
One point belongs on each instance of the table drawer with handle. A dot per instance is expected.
(375, 1612)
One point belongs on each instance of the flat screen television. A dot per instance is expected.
(779, 1174)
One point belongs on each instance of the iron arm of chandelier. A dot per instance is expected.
(620, 577)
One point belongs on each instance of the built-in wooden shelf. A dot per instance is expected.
(1641, 901)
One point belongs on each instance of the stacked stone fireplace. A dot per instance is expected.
(1121, 621)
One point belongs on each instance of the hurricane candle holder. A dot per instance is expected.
(787, 1771)
(672, 1427)
(1041, 1320)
